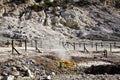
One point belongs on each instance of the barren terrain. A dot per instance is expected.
(57, 64)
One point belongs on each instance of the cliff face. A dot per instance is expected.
(28, 19)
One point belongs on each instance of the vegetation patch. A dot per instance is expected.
(37, 7)
(19, 1)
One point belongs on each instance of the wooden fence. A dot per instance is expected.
(84, 46)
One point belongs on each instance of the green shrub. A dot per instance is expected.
(23, 1)
(37, 7)
(48, 3)
(84, 2)
(38, 0)
(117, 4)
(19, 1)
(65, 1)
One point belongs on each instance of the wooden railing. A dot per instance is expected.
(69, 45)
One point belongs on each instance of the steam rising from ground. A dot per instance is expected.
(62, 54)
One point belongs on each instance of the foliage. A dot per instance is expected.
(37, 7)
(48, 3)
(65, 1)
(84, 2)
(19, 1)
(38, 0)
(117, 4)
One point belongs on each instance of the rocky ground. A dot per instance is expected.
(51, 66)
(97, 22)
(37, 19)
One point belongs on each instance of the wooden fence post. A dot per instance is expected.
(101, 44)
(79, 44)
(114, 44)
(62, 44)
(74, 45)
(35, 44)
(96, 46)
(41, 43)
(31, 43)
(67, 43)
(110, 47)
(25, 45)
(84, 47)
(59, 43)
(92, 44)
(12, 46)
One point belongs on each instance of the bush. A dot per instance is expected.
(117, 4)
(37, 7)
(38, 0)
(19, 1)
(84, 2)
(48, 3)
(65, 1)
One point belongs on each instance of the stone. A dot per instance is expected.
(15, 72)
(63, 21)
(10, 77)
(51, 0)
(5, 73)
(23, 78)
(33, 61)
(1, 77)
(53, 74)
(1, 11)
(30, 74)
(47, 22)
(48, 77)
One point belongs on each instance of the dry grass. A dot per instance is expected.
(77, 59)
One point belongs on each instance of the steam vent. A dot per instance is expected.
(59, 39)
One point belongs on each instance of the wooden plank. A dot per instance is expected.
(38, 50)
(13, 48)
(16, 51)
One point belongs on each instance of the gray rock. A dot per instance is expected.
(23, 78)
(1, 77)
(10, 77)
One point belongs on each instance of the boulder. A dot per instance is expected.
(29, 73)
(63, 21)
(53, 73)
(1, 77)
(23, 78)
(10, 77)
(47, 22)
(15, 72)
(1, 11)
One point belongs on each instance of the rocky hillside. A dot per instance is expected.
(62, 19)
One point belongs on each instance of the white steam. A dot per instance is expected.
(61, 53)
